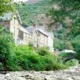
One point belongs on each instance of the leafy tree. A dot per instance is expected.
(58, 44)
(28, 59)
(5, 6)
(29, 12)
(43, 51)
(68, 45)
(62, 9)
(6, 47)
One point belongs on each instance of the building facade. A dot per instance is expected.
(41, 38)
(24, 36)
(12, 22)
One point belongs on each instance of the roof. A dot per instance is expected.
(8, 16)
(24, 30)
(30, 29)
(17, 13)
(41, 30)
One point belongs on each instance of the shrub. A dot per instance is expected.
(25, 56)
(58, 44)
(29, 62)
(28, 59)
(43, 51)
(30, 44)
(68, 45)
(6, 49)
(71, 62)
(53, 63)
(76, 44)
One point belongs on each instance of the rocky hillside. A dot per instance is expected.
(29, 12)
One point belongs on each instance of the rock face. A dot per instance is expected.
(72, 73)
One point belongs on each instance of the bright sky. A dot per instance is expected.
(20, 0)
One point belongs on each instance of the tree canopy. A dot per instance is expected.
(5, 6)
(66, 8)
(29, 12)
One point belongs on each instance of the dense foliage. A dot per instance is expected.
(6, 49)
(21, 57)
(43, 51)
(29, 12)
(5, 6)
(67, 13)
(14, 57)
(29, 59)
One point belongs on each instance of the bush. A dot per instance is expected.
(28, 59)
(58, 44)
(43, 51)
(30, 44)
(68, 45)
(25, 57)
(51, 62)
(71, 62)
(6, 49)
(76, 44)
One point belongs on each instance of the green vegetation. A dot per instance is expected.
(6, 49)
(29, 59)
(14, 57)
(21, 57)
(5, 6)
(67, 14)
(70, 62)
(58, 44)
(43, 51)
(67, 9)
(68, 36)
(29, 12)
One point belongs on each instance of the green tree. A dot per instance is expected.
(29, 12)
(65, 8)
(61, 10)
(68, 45)
(6, 47)
(43, 51)
(5, 6)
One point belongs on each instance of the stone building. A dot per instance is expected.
(13, 23)
(41, 38)
(23, 36)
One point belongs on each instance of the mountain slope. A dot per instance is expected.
(28, 12)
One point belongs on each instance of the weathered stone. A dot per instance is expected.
(43, 75)
(70, 78)
(38, 78)
(76, 77)
(49, 78)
